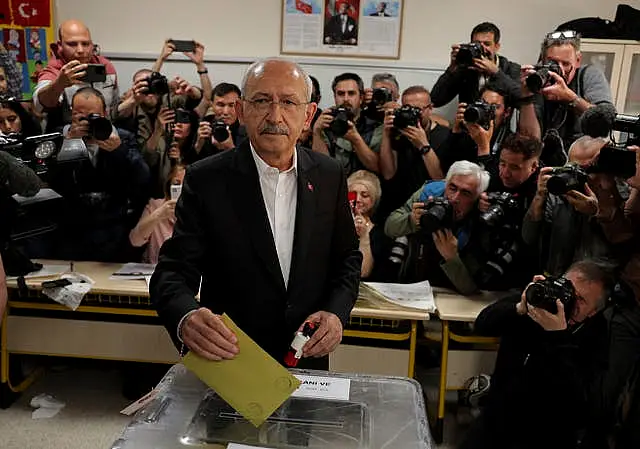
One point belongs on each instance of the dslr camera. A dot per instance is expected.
(544, 294)
(99, 127)
(219, 129)
(542, 78)
(341, 117)
(36, 152)
(438, 214)
(468, 52)
(616, 161)
(480, 113)
(406, 116)
(157, 84)
(381, 96)
(564, 179)
(502, 206)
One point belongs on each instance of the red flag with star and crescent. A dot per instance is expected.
(303, 7)
(31, 13)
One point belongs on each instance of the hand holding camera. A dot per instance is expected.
(166, 212)
(586, 203)
(323, 121)
(167, 49)
(197, 55)
(71, 73)
(549, 301)
(558, 91)
(140, 89)
(166, 117)
(485, 65)
(481, 136)
(446, 244)
(525, 72)
(416, 135)
(454, 56)
(174, 152)
(417, 211)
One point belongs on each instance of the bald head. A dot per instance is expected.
(584, 149)
(277, 67)
(74, 41)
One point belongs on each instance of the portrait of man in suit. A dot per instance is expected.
(381, 10)
(267, 228)
(341, 28)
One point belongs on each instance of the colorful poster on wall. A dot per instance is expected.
(27, 33)
(356, 28)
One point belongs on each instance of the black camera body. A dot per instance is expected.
(99, 127)
(341, 117)
(502, 206)
(219, 130)
(438, 214)
(629, 124)
(480, 113)
(537, 81)
(564, 179)
(615, 160)
(157, 84)
(406, 116)
(381, 96)
(544, 293)
(468, 52)
(36, 152)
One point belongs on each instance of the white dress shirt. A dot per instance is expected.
(280, 194)
(344, 23)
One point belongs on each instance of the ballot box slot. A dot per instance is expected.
(293, 421)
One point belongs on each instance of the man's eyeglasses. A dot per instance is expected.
(562, 35)
(264, 104)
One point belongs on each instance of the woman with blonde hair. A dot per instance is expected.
(375, 246)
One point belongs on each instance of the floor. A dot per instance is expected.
(93, 397)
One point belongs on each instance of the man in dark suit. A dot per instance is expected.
(341, 29)
(381, 10)
(268, 228)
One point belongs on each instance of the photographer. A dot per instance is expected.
(617, 398)
(466, 78)
(359, 144)
(479, 142)
(223, 107)
(548, 358)
(563, 97)
(448, 256)
(101, 177)
(560, 227)
(65, 73)
(409, 155)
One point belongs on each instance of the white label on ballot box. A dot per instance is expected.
(244, 446)
(323, 387)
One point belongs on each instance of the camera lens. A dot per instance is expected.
(536, 81)
(493, 216)
(99, 127)
(535, 294)
(472, 114)
(220, 131)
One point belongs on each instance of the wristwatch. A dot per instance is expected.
(425, 149)
(202, 72)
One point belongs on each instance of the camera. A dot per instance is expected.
(542, 78)
(341, 117)
(406, 116)
(438, 214)
(629, 124)
(616, 161)
(99, 127)
(544, 294)
(468, 52)
(503, 205)
(564, 179)
(381, 96)
(36, 152)
(157, 84)
(219, 130)
(480, 113)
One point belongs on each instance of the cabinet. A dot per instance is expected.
(620, 62)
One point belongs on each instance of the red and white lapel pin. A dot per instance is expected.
(310, 186)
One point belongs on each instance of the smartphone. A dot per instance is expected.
(176, 190)
(184, 46)
(182, 116)
(352, 198)
(57, 283)
(96, 73)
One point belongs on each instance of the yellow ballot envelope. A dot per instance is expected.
(253, 383)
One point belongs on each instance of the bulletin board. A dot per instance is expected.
(27, 32)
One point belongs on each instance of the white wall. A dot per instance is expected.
(235, 31)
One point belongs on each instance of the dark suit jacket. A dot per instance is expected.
(223, 233)
(333, 29)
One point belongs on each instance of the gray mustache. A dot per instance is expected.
(274, 129)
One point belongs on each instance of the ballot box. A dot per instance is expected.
(329, 410)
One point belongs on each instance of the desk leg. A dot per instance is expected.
(442, 391)
(9, 393)
(412, 349)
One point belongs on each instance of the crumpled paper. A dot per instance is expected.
(46, 406)
(70, 295)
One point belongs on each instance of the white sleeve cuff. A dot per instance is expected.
(36, 101)
(181, 322)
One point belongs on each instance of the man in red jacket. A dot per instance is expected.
(63, 75)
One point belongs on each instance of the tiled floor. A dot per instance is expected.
(91, 419)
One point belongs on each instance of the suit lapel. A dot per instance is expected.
(305, 214)
(249, 205)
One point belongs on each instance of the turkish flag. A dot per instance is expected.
(31, 13)
(303, 7)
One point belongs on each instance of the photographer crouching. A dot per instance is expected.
(553, 345)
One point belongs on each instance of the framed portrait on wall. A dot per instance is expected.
(350, 28)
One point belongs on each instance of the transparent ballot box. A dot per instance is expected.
(372, 412)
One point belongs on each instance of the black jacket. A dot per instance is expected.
(542, 379)
(223, 234)
(461, 147)
(466, 83)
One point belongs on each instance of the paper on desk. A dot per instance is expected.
(253, 383)
(71, 295)
(133, 271)
(45, 271)
(417, 296)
